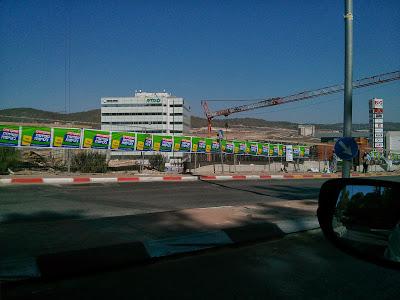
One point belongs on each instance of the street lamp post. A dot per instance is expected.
(348, 80)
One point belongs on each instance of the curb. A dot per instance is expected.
(78, 262)
(75, 180)
(70, 180)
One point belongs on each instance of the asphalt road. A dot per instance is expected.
(51, 202)
(299, 266)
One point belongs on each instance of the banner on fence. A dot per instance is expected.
(9, 135)
(36, 136)
(289, 153)
(96, 139)
(66, 138)
(144, 142)
(162, 143)
(125, 141)
(265, 149)
(182, 143)
(240, 147)
(198, 145)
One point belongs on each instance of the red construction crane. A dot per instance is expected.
(364, 82)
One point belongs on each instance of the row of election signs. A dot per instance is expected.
(32, 136)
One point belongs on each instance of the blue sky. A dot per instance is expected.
(198, 50)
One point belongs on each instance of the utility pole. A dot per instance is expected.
(348, 80)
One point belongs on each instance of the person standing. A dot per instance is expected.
(366, 159)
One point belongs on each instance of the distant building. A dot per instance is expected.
(146, 112)
(306, 130)
(392, 141)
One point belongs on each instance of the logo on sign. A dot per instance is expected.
(153, 100)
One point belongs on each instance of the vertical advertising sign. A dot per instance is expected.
(125, 141)
(182, 143)
(289, 153)
(9, 135)
(265, 149)
(198, 145)
(96, 139)
(252, 148)
(376, 124)
(36, 136)
(280, 150)
(214, 145)
(144, 142)
(240, 147)
(227, 147)
(296, 151)
(162, 143)
(66, 138)
(306, 151)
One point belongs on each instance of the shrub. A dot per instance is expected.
(157, 162)
(9, 159)
(89, 162)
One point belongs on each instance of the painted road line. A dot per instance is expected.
(5, 180)
(128, 179)
(276, 176)
(172, 178)
(58, 180)
(103, 179)
(191, 178)
(26, 180)
(81, 179)
(253, 177)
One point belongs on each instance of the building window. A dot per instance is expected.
(134, 114)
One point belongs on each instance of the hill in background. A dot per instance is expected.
(31, 115)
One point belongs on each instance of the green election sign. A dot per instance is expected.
(9, 135)
(125, 141)
(302, 151)
(240, 147)
(182, 143)
(252, 148)
(96, 139)
(144, 142)
(162, 143)
(36, 136)
(227, 147)
(280, 150)
(198, 145)
(66, 138)
(212, 145)
(265, 149)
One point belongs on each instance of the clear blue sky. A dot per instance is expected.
(198, 50)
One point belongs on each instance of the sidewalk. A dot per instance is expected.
(59, 248)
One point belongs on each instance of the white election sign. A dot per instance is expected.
(289, 153)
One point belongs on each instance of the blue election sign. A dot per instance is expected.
(220, 134)
(346, 148)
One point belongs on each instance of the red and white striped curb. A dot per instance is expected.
(60, 180)
(70, 180)
(258, 177)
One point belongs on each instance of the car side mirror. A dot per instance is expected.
(362, 218)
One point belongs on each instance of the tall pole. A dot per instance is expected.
(348, 80)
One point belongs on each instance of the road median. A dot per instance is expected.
(73, 247)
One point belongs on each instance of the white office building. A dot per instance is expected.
(160, 113)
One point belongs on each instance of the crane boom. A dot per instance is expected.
(364, 82)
